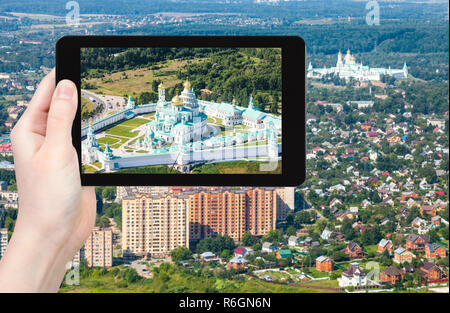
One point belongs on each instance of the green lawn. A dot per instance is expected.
(135, 122)
(234, 167)
(118, 281)
(109, 140)
(88, 169)
(371, 248)
(120, 130)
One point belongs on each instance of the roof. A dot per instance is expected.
(399, 250)
(323, 259)
(383, 242)
(392, 271)
(238, 259)
(207, 254)
(285, 253)
(352, 245)
(268, 245)
(239, 250)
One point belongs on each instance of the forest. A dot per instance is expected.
(223, 74)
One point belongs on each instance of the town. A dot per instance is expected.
(373, 213)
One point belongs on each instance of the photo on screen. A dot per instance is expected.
(181, 110)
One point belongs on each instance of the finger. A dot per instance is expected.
(61, 115)
(28, 134)
(34, 118)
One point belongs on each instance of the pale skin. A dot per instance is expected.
(56, 214)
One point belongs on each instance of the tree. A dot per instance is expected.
(291, 231)
(180, 253)
(248, 239)
(109, 193)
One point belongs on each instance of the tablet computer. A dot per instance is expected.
(185, 110)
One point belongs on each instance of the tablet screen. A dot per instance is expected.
(181, 110)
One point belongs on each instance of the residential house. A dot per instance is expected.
(428, 209)
(293, 241)
(208, 256)
(384, 245)
(353, 250)
(431, 271)
(436, 221)
(354, 276)
(391, 275)
(268, 247)
(326, 234)
(238, 262)
(402, 255)
(433, 250)
(284, 254)
(324, 264)
(416, 242)
(243, 251)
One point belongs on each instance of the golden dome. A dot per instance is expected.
(161, 86)
(348, 51)
(187, 85)
(177, 100)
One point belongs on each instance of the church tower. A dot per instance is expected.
(251, 103)
(339, 60)
(130, 103)
(161, 94)
(405, 70)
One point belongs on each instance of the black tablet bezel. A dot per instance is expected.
(293, 111)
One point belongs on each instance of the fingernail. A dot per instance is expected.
(65, 90)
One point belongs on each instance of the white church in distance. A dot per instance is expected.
(347, 67)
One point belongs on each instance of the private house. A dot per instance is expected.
(436, 221)
(208, 256)
(293, 241)
(428, 210)
(284, 254)
(418, 222)
(324, 264)
(353, 276)
(238, 262)
(243, 251)
(431, 271)
(326, 234)
(433, 251)
(353, 250)
(402, 255)
(416, 242)
(384, 245)
(268, 247)
(391, 275)
(409, 195)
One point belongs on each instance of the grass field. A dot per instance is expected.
(114, 281)
(121, 130)
(138, 80)
(135, 122)
(234, 167)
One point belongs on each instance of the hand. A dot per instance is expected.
(56, 214)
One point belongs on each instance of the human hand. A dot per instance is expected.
(56, 214)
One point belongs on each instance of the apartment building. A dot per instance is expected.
(214, 211)
(285, 201)
(156, 220)
(154, 224)
(98, 249)
(3, 241)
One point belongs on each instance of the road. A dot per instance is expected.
(110, 103)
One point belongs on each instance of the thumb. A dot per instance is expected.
(61, 114)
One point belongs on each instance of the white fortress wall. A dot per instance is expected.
(209, 155)
(117, 117)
